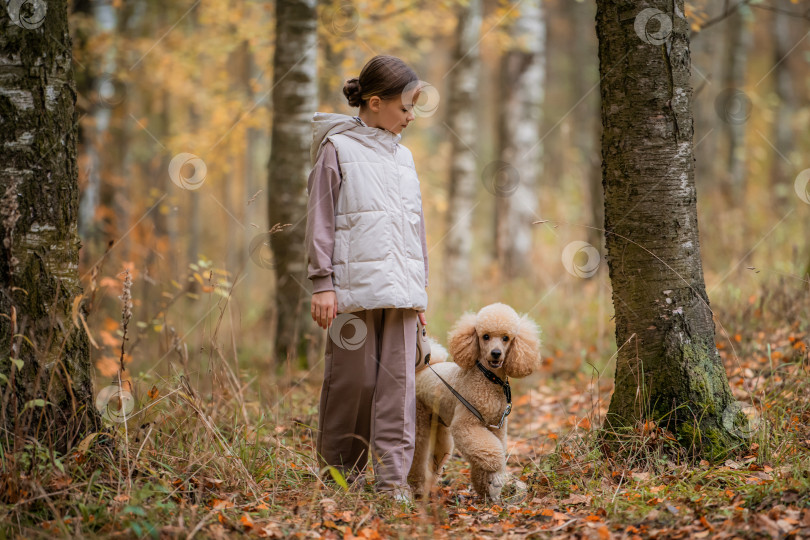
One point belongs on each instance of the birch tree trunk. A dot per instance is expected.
(105, 19)
(463, 122)
(781, 169)
(47, 390)
(707, 62)
(587, 128)
(733, 105)
(515, 179)
(193, 200)
(295, 98)
(667, 367)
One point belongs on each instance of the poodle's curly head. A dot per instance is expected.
(496, 336)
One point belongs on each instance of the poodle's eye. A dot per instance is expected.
(506, 338)
(486, 337)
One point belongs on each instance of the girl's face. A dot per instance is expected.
(392, 114)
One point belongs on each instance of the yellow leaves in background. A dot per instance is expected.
(494, 29)
(355, 32)
(195, 74)
(696, 15)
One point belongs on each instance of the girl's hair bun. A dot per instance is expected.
(353, 92)
(383, 76)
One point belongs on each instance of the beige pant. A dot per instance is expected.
(368, 398)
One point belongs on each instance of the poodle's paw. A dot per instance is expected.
(514, 491)
(495, 485)
(505, 487)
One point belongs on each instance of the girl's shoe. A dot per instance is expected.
(401, 496)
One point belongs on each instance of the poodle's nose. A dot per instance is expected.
(496, 353)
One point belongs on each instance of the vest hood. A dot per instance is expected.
(326, 124)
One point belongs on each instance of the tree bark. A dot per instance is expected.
(463, 122)
(40, 250)
(295, 94)
(514, 181)
(668, 368)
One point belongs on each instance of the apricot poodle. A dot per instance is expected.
(507, 345)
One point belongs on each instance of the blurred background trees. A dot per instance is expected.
(183, 105)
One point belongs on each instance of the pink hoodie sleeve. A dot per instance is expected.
(323, 187)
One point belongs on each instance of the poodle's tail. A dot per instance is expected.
(437, 354)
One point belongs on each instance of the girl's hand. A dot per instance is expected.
(324, 308)
(422, 318)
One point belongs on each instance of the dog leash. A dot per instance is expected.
(507, 391)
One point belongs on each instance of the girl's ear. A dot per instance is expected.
(524, 357)
(374, 103)
(463, 341)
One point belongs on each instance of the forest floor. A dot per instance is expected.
(226, 464)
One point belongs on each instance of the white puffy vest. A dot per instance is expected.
(377, 260)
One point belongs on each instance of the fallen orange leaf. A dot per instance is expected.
(604, 532)
(705, 523)
(368, 533)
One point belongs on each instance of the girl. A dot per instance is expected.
(367, 259)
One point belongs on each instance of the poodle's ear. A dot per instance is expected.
(463, 341)
(524, 357)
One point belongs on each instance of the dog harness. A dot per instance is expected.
(507, 391)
